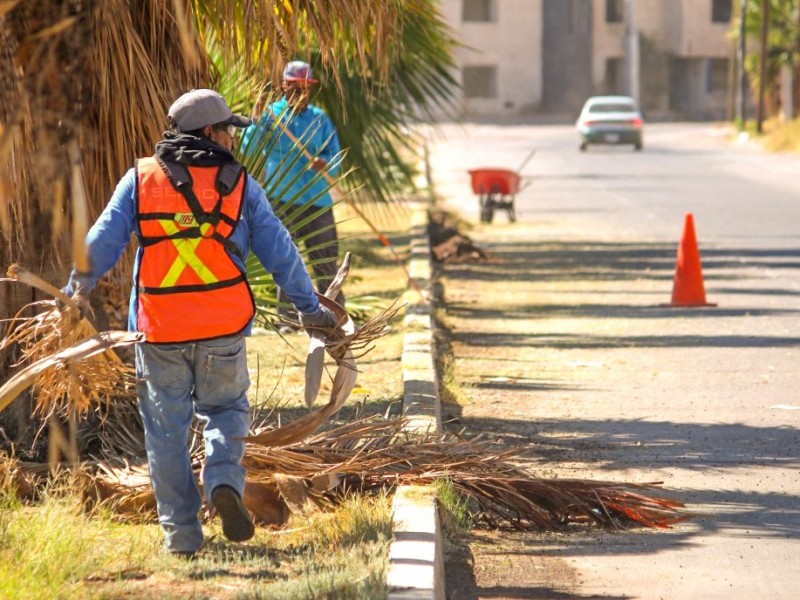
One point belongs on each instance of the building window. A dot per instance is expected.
(717, 75)
(480, 82)
(615, 11)
(479, 11)
(721, 11)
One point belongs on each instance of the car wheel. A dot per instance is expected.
(584, 145)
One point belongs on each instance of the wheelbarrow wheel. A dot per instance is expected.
(512, 215)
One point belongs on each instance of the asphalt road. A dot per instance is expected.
(562, 343)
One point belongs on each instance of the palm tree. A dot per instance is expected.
(783, 44)
(97, 76)
(372, 117)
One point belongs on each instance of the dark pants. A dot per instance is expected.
(318, 234)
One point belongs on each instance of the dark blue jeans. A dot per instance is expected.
(318, 233)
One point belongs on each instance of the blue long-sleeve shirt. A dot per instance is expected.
(285, 174)
(258, 230)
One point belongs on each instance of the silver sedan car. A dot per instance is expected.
(610, 120)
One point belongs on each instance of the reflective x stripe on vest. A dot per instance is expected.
(186, 256)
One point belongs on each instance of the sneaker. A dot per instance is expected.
(236, 522)
(288, 329)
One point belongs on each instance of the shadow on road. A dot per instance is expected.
(610, 449)
(605, 261)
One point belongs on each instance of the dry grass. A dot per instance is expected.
(53, 550)
(782, 136)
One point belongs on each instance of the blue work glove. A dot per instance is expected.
(323, 321)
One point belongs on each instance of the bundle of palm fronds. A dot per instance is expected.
(69, 365)
(360, 341)
(340, 344)
(371, 454)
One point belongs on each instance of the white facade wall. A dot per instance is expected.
(512, 43)
(609, 42)
(701, 37)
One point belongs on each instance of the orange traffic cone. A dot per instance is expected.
(687, 287)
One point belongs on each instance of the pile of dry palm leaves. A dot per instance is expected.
(370, 454)
(374, 453)
(71, 366)
(449, 244)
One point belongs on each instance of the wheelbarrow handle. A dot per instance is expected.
(527, 160)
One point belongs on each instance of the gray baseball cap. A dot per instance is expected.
(198, 108)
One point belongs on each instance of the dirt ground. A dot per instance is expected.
(511, 369)
(484, 562)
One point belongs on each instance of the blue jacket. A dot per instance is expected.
(284, 177)
(258, 230)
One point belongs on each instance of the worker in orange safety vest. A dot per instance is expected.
(196, 213)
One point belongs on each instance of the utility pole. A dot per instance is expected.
(762, 69)
(633, 52)
(741, 91)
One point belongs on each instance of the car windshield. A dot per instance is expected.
(615, 107)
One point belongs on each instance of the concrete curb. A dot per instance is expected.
(416, 563)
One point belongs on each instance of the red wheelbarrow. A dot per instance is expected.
(497, 189)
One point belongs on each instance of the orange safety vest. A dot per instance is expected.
(189, 288)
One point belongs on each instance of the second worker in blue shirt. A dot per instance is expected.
(292, 172)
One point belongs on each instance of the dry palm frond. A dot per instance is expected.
(361, 339)
(301, 428)
(72, 378)
(339, 346)
(124, 489)
(371, 454)
(315, 366)
(69, 364)
(23, 479)
(315, 358)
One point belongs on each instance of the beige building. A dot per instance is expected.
(534, 56)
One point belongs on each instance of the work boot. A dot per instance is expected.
(236, 522)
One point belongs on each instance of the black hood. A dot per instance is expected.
(190, 150)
